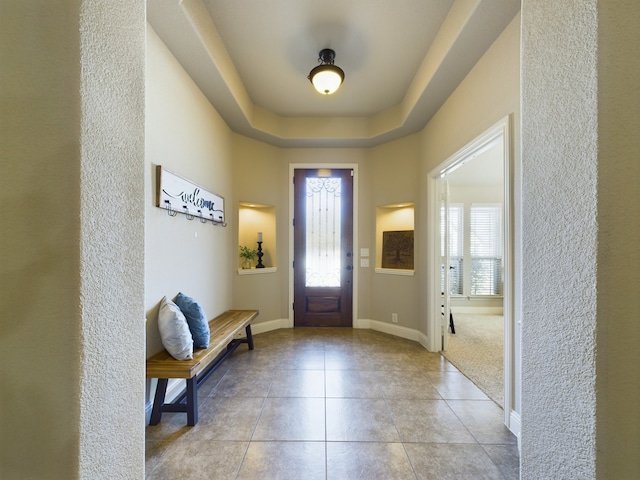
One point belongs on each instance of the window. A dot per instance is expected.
(323, 231)
(456, 248)
(486, 249)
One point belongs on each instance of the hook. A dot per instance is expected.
(187, 214)
(220, 222)
(170, 211)
(202, 219)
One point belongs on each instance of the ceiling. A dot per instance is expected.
(402, 59)
(484, 168)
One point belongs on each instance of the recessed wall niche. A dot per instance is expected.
(254, 220)
(395, 238)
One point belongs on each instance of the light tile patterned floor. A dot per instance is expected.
(332, 403)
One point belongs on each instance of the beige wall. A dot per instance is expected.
(395, 179)
(72, 334)
(40, 281)
(618, 331)
(581, 220)
(260, 177)
(186, 135)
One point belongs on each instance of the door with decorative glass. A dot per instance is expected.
(323, 247)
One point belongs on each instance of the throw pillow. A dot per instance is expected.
(196, 319)
(174, 331)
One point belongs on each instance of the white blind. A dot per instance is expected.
(486, 249)
(456, 247)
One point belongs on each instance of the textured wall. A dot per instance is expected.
(560, 201)
(112, 41)
(581, 217)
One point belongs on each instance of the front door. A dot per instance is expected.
(323, 247)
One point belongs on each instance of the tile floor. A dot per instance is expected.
(335, 404)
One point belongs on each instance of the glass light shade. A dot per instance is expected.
(326, 79)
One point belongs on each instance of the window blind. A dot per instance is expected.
(486, 249)
(456, 248)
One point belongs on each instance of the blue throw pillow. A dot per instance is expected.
(196, 319)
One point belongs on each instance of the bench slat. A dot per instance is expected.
(223, 328)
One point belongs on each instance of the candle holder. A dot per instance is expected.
(260, 254)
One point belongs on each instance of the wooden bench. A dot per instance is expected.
(224, 329)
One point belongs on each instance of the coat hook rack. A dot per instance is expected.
(196, 201)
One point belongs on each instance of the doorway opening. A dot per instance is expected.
(470, 244)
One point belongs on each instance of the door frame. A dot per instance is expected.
(434, 331)
(354, 293)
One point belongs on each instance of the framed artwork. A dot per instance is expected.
(397, 249)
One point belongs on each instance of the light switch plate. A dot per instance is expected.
(364, 252)
(364, 262)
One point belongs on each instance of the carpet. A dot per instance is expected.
(477, 350)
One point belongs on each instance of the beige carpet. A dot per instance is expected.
(477, 350)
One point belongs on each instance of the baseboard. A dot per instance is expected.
(364, 323)
(514, 424)
(396, 330)
(423, 340)
(269, 325)
(392, 329)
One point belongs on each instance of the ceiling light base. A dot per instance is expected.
(327, 56)
(326, 77)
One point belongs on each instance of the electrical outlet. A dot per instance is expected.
(394, 317)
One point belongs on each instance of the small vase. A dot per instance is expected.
(246, 263)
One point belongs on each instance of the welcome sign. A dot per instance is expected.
(179, 195)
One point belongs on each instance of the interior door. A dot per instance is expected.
(445, 260)
(323, 247)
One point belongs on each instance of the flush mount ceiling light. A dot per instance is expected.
(326, 77)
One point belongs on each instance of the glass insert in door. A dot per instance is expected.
(323, 214)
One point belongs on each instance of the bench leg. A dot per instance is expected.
(158, 401)
(192, 401)
(249, 337)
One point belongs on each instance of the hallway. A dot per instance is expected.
(334, 404)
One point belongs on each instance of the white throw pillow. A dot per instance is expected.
(174, 331)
